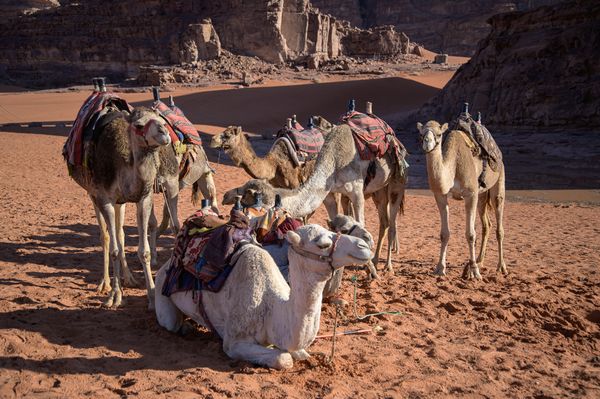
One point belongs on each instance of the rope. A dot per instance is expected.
(354, 280)
(337, 310)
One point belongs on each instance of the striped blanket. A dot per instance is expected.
(180, 127)
(95, 106)
(306, 142)
(488, 149)
(370, 134)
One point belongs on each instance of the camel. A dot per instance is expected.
(123, 164)
(277, 166)
(453, 169)
(339, 169)
(200, 176)
(256, 308)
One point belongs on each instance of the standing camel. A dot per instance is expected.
(122, 167)
(452, 168)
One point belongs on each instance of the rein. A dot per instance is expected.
(437, 142)
(320, 258)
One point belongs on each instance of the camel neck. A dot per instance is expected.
(303, 308)
(244, 155)
(440, 168)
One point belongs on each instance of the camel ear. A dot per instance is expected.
(444, 128)
(293, 238)
(237, 130)
(329, 224)
(419, 126)
(247, 137)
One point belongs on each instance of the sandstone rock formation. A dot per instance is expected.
(454, 27)
(13, 8)
(535, 69)
(78, 40)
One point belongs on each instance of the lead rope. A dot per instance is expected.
(335, 323)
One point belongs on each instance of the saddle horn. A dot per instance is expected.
(351, 105)
(238, 203)
(465, 109)
(95, 82)
(171, 102)
(294, 120)
(156, 93)
(277, 201)
(204, 203)
(479, 117)
(288, 123)
(258, 201)
(102, 84)
(369, 107)
(310, 123)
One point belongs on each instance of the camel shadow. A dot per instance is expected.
(94, 328)
(74, 251)
(51, 128)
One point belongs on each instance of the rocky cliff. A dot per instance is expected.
(535, 69)
(453, 27)
(70, 43)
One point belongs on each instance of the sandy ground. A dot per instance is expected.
(534, 333)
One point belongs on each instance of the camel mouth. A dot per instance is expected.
(360, 259)
(216, 142)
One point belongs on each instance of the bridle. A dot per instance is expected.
(143, 131)
(320, 258)
(435, 137)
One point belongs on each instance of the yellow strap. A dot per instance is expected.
(468, 139)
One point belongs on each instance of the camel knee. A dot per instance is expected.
(144, 255)
(470, 235)
(444, 235)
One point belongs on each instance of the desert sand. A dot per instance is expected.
(533, 333)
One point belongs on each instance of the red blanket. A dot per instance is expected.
(96, 102)
(369, 134)
(180, 127)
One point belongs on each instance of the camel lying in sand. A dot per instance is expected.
(256, 308)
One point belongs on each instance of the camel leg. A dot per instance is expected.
(144, 209)
(347, 206)
(442, 204)
(358, 201)
(258, 354)
(396, 197)
(152, 237)
(128, 279)
(482, 207)
(164, 223)
(104, 285)
(167, 314)
(497, 197)
(471, 270)
(115, 295)
(206, 185)
(380, 200)
(300, 355)
(331, 205)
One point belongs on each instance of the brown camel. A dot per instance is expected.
(199, 175)
(123, 163)
(452, 168)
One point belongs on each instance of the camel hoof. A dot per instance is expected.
(389, 269)
(103, 287)
(283, 361)
(471, 272)
(114, 300)
(502, 268)
(440, 270)
(300, 355)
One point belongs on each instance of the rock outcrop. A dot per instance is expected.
(454, 27)
(535, 69)
(13, 8)
(77, 40)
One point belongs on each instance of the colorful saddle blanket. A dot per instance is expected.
(180, 127)
(97, 105)
(271, 227)
(488, 149)
(306, 142)
(201, 259)
(370, 134)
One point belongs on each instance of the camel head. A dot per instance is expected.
(228, 139)
(149, 128)
(347, 225)
(312, 241)
(322, 124)
(248, 192)
(430, 134)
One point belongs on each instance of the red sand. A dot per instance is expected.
(534, 333)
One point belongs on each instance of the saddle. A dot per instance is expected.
(374, 138)
(303, 144)
(203, 252)
(180, 127)
(99, 109)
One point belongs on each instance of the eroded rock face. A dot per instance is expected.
(454, 27)
(535, 69)
(77, 40)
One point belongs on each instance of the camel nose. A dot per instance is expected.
(363, 245)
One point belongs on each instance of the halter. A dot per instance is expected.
(320, 258)
(437, 141)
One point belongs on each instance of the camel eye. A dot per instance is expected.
(344, 231)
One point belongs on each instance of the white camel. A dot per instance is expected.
(256, 308)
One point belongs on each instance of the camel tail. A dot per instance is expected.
(196, 194)
(488, 205)
(401, 209)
